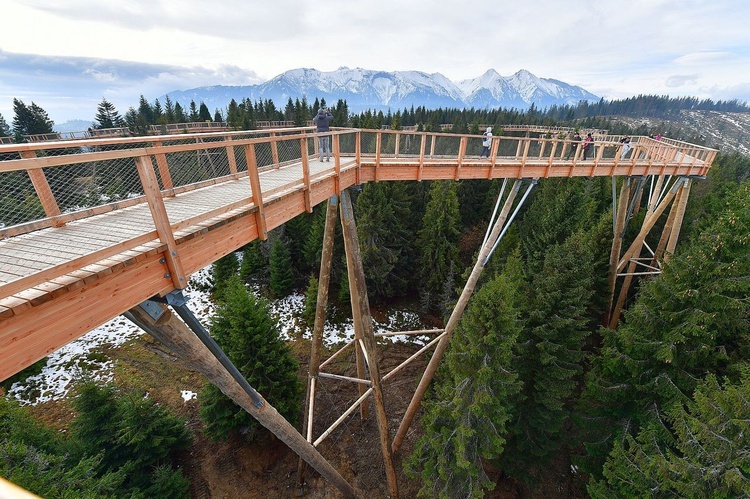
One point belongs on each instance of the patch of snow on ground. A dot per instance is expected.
(68, 364)
(188, 395)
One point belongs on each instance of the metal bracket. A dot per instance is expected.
(152, 309)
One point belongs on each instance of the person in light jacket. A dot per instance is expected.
(323, 122)
(486, 142)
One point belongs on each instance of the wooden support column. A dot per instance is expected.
(324, 280)
(358, 156)
(361, 309)
(614, 255)
(337, 162)
(675, 234)
(161, 220)
(398, 144)
(177, 336)
(667, 231)
(252, 173)
(463, 300)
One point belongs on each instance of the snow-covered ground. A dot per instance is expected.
(68, 363)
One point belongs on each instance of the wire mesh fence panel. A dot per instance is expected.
(18, 200)
(289, 150)
(348, 144)
(368, 143)
(508, 147)
(446, 145)
(95, 183)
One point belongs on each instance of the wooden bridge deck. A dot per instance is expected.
(75, 267)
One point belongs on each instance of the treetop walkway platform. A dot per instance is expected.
(90, 228)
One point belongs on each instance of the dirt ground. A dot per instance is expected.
(267, 468)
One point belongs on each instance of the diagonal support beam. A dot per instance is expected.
(491, 241)
(191, 344)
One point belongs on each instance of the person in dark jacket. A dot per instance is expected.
(323, 122)
(574, 146)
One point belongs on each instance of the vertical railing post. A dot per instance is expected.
(257, 195)
(306, 173)
(231, 157)
(422, 147)
(166, 177)
(378, 145)
(274, 149)
(161, 220)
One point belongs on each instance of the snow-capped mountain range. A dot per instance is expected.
(380, 90)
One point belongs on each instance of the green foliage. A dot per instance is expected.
(382, 211)
(311, 302)
(253, 259)
(550, 354)
(282, 276)
(699, 450)
(107, 115)
(465, 420)
(30, 120)
(222, 270)
(690, 321)
(131, 434)
(438, 239)
(245, 331)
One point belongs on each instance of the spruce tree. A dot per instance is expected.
(253, 259)
(465, 421)
(222, 270)
(550, 356)
(688, 322)
(245, 331)
(382, 210)
(439, 237)
(699, 449)
(107, 115)
(282, 276)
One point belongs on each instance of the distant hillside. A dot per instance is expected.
(380, 90)
(725, 131)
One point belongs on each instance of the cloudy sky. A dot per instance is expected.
(67, 55)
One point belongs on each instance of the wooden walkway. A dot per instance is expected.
(195, 198)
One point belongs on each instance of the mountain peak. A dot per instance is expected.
(365, 89)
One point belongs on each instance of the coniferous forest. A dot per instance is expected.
(531, 382)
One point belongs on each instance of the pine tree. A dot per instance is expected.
(132, 434)
(282, 276)
(252, 259)
(4, 127)
(688, 322)
(439, 237)
(222, 270)
(382, 210)
(465, 421)
(698, 450)
(245, 331)
(550, 355)
(30, 120)
(107, 115)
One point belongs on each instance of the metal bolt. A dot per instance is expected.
(166, 276)
(163, 260)
(174, 252)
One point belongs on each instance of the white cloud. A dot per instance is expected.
(620, 50)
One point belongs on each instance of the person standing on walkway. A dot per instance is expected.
(587, 143)
(574, 146)
(486, 142)
(625, 147)
(323, 121)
